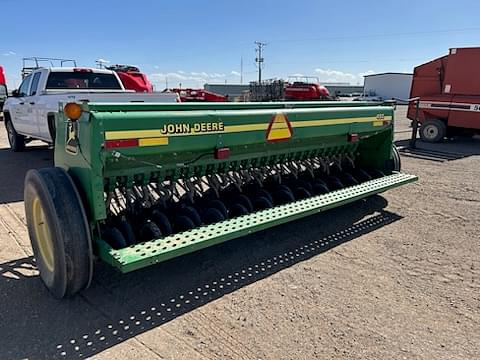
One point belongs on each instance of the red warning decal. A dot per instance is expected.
(279, 128)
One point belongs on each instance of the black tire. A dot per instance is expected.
(320, 188)
(433, 130)
(334, 183)
(261, 203)
(282, 196)
(212, 215)
(361, 175)
(238, 210)
(183, 223)
(303, 184)
(161, 220)
(220, 206)
(244, 201)
(319, 182)
(149, 231)
(396, 160)
(348, 180)
(16, 141)
(191, 213)
(264, 193)
(114, 238)
(52, 127)
(62, 248)
(301, 193)
(127, 232)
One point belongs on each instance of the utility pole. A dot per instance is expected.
(241, 70)
(259, 59)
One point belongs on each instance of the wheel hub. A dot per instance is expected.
(43, 234)
(431, 132)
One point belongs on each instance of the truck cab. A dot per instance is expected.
(30, 111)
(32, 106)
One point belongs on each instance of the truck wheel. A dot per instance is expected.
(52, 128)
(433, 131)
(59, 232)
(16, 141)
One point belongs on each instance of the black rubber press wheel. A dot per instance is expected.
(114, 237)
(59, 232)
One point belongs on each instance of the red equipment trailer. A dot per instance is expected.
(132, 78)
(305, 88)
(448, 89)
(2, 77)
(198, 95)
(3, 88)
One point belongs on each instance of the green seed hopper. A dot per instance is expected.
(136, 184)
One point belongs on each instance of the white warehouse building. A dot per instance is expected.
(388, 85)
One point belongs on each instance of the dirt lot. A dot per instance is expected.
(396, 276)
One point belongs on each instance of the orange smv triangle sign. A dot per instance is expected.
(279, 128)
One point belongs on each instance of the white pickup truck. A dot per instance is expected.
(30, 112)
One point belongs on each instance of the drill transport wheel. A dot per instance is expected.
(59, 231)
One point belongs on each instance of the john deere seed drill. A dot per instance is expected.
(137, 184)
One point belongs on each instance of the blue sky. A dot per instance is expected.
(193, 42)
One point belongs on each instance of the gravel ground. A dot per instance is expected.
(396, 276)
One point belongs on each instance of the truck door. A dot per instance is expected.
(18, 107)
(33, 107)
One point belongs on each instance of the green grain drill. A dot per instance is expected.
(137, 184)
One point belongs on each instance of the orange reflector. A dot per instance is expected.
(279, 128)
(73, 111)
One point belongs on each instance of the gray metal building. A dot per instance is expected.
(388, 85)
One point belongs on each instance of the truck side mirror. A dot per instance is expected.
(15, 93)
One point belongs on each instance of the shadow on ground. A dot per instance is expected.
(16, 165)
(451, 149)
(118, 307)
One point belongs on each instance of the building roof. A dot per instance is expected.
(389, 73)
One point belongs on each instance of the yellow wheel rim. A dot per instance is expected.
(43, 234)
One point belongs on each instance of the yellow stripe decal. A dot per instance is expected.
(153, 141)
(157, 134)
(132, 134)
(309, 123)
(242, 128)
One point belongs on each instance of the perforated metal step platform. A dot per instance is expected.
(155, 251)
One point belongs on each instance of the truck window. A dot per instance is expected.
(33, 88)
(23, 89)
(82, 80)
